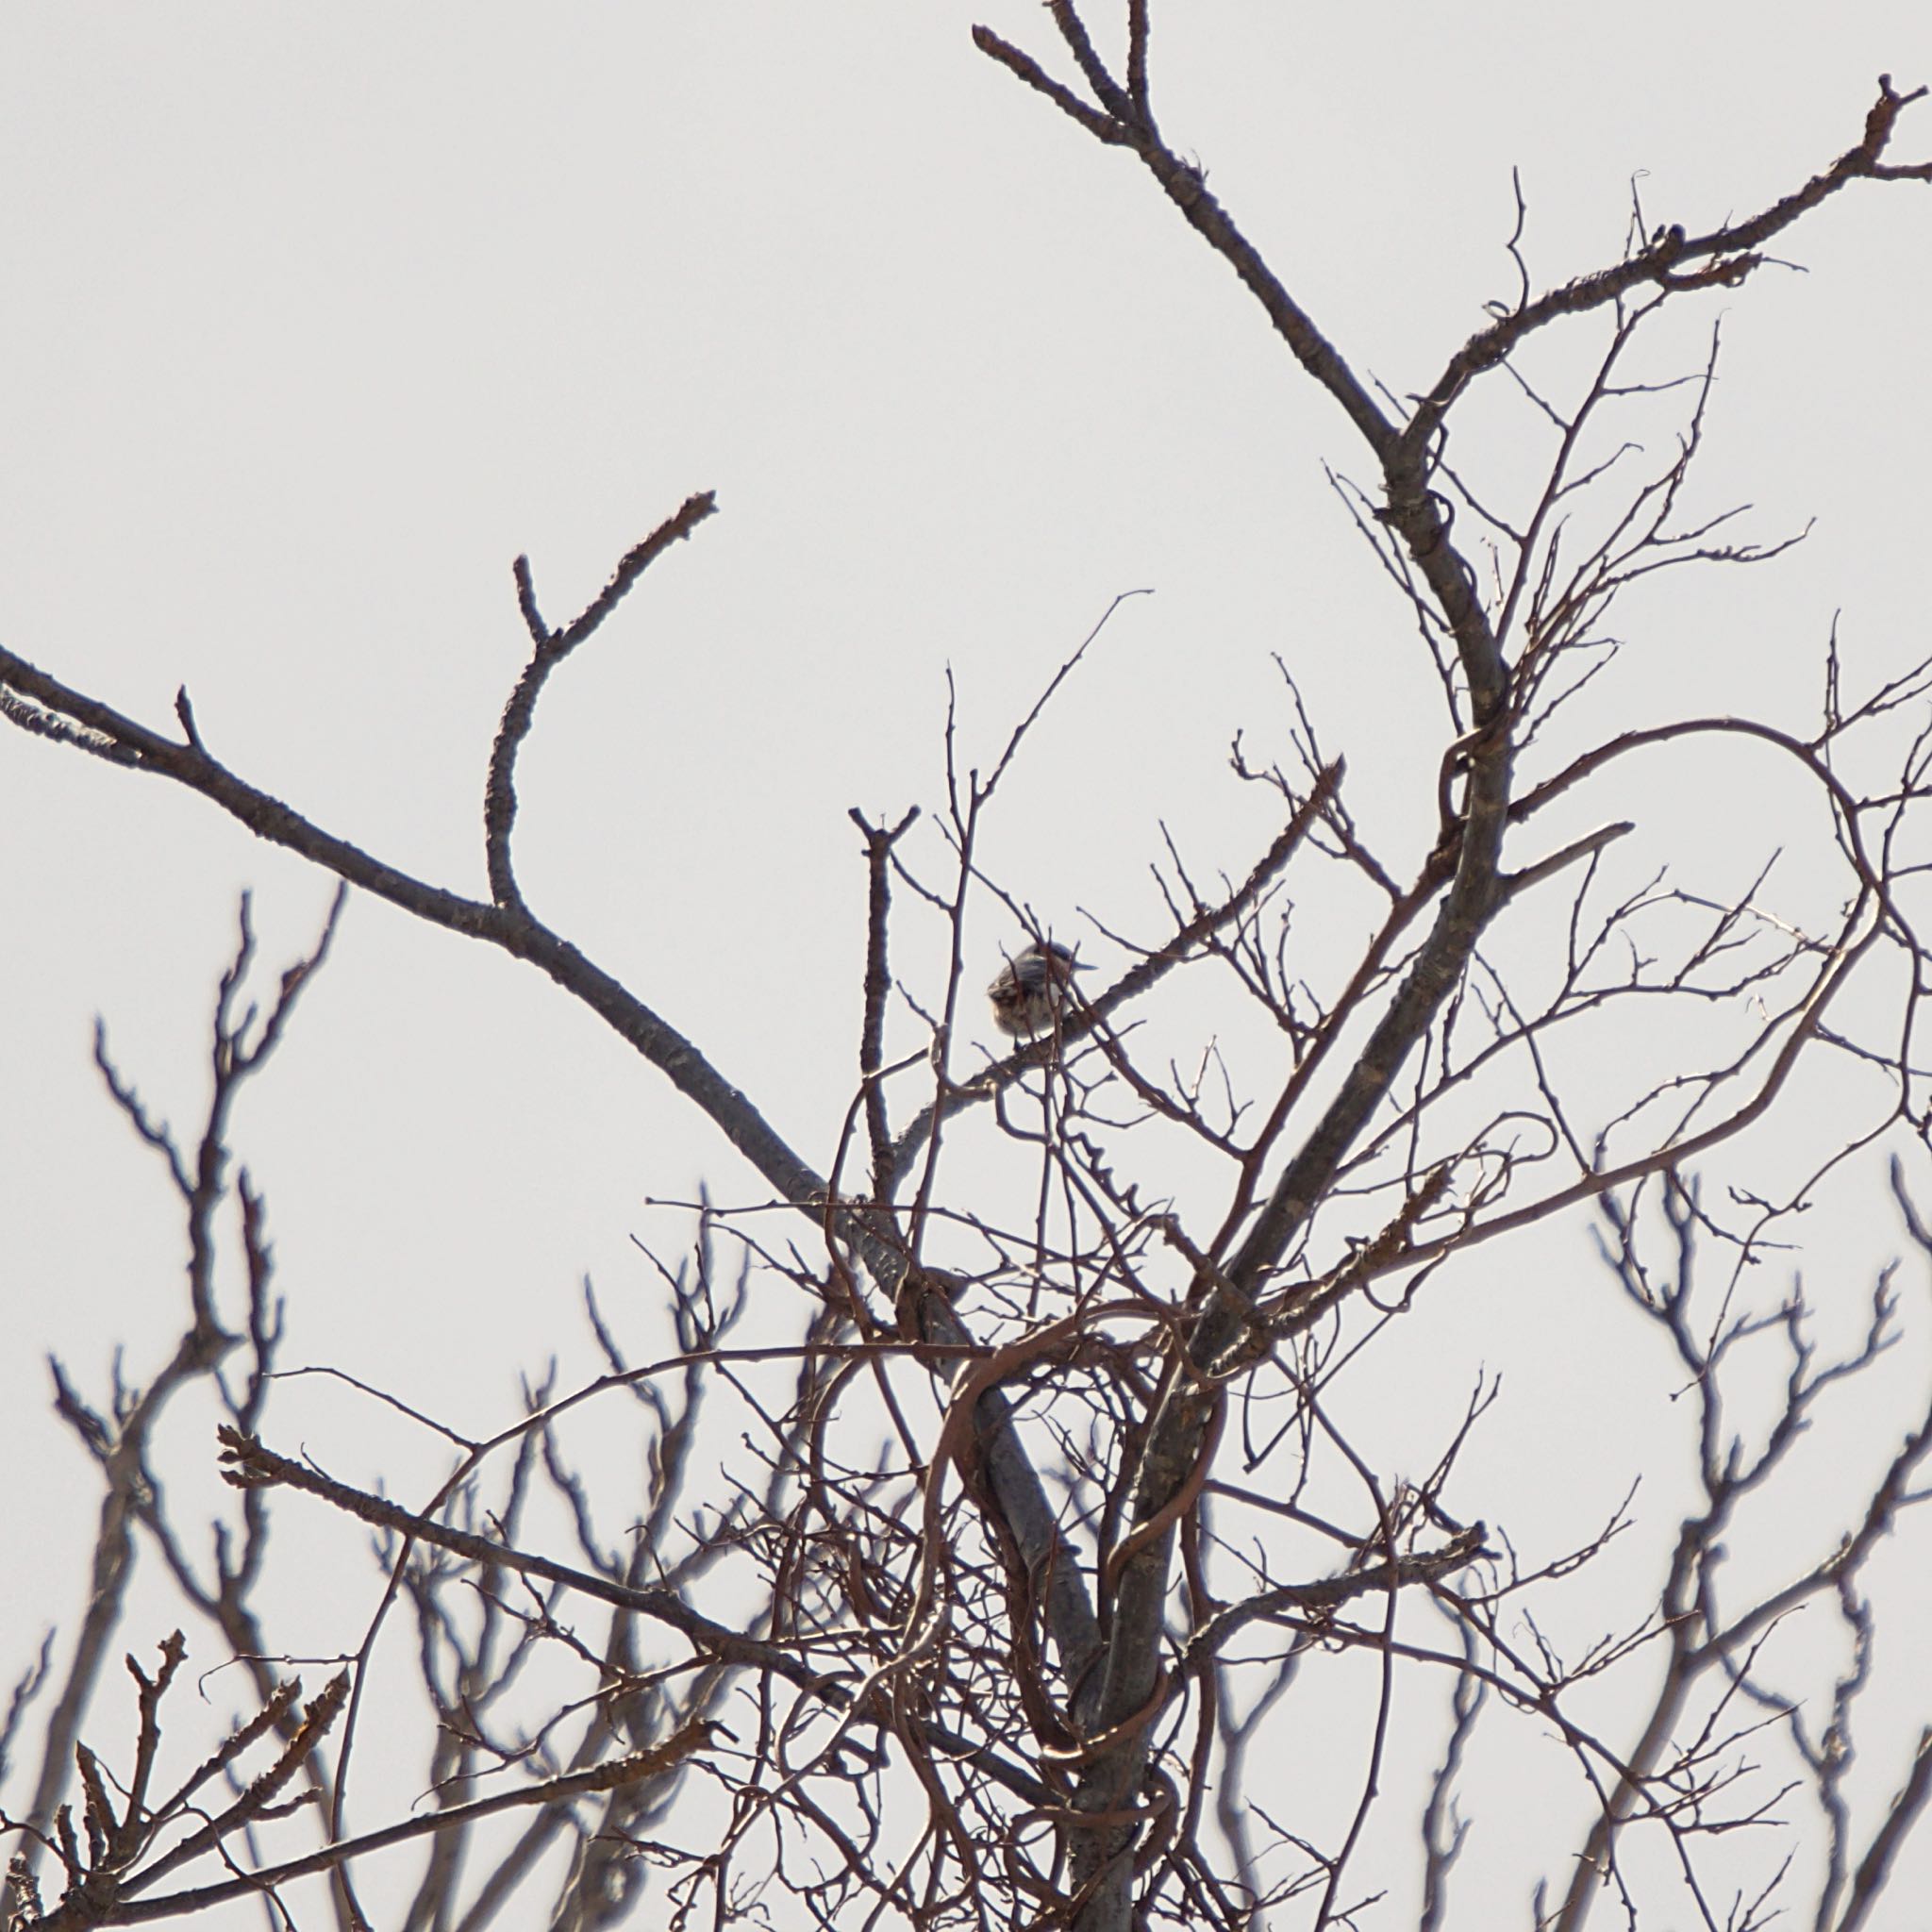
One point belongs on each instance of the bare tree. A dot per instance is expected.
(998, 1589)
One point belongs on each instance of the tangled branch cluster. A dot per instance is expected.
(1046, 1504)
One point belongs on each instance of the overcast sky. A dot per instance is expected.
(314, 318)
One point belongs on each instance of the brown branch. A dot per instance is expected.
(1076, 1022)
(1326, 1596)
(239, 1046)
(1174, 1442)
(508, 927)
(262, 1792)
(1187, 188)
(1726, 253)
(879, 842)
(551, 649)
(629, 1768)
(1875, 1868)
(247, 1464)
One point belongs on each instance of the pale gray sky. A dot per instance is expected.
(314, 318)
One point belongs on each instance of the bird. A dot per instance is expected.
(1029, 990)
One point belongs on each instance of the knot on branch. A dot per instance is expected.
(1667, 245)
(245, 1462)
(1729, 272)
(1882, 118)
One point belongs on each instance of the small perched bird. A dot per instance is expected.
(1030, 988)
